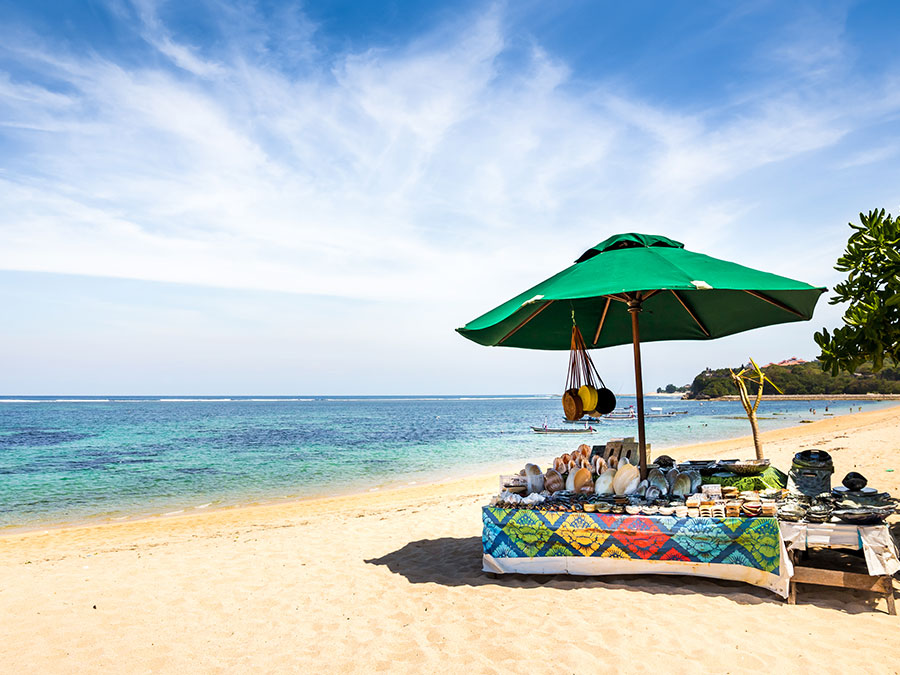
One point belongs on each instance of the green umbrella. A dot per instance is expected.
(681, 295)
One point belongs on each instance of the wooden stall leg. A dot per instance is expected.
(792, 587)
(892, 609)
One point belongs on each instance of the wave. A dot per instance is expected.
(276, 400)
(54, 400)
(190, 400)
(81, 400)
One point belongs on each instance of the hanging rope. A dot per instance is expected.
(585, 389)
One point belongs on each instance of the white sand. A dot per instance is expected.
(392, 583)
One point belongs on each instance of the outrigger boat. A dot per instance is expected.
(622, 414)
(626, 414)
(548, 430)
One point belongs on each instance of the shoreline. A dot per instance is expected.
(395, 494)
(400, 488)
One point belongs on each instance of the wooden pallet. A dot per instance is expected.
(619, 448)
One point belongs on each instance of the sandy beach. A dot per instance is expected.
(392, 582)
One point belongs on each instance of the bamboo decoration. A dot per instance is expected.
(740, 380)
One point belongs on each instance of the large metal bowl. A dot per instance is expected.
(865, 515)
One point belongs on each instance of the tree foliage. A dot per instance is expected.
(671, 389)
(805, 378)
(871, 330)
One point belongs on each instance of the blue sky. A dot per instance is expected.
(278, 198)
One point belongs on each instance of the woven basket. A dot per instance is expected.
(750, 467)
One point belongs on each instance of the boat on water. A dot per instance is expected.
(570, 430)
(628, 413)
(622, 414)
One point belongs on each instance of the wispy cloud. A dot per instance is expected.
(452, 167)
(374, 174)
(871, 155)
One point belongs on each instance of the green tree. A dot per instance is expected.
(670, 388)
(871, 330)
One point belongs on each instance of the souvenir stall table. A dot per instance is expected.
(603, 519)
(592, 515)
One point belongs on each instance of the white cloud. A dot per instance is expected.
(441, 173)
(182, 55)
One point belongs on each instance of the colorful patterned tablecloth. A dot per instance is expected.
(770, 478)
(544, 542)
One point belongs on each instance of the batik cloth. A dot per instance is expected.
(534, 541)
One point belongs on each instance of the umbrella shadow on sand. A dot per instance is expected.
(452, 561)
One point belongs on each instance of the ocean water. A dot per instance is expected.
(65, 460)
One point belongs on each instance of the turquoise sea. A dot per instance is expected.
(65, 460)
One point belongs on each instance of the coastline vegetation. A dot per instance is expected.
(801, 378)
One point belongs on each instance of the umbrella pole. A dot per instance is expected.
(634, 308)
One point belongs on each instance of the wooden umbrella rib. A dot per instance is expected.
(773, 301)
(524, 321)
(602, 319)
(692, 315)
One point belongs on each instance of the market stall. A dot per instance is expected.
(591, 514)
(595, 513)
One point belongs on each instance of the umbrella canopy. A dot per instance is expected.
(685, 296)
(679, 294)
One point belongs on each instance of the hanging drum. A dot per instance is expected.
(573, 405)
(606, 401)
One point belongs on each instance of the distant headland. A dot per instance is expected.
(798, 379)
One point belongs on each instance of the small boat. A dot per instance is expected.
(583, 420)
(622, 414)
(548, 430)
(630, 414)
